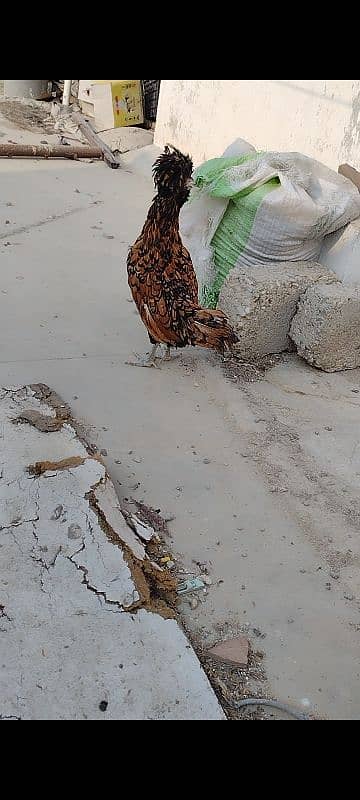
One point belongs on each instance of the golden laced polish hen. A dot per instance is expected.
(161, 275)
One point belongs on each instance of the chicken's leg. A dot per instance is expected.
(145, 362)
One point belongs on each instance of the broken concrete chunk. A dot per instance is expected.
(326, 328)
(261, 302)
(233, 651)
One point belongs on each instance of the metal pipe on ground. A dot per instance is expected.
(49, 151)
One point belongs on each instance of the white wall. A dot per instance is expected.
(318, 118)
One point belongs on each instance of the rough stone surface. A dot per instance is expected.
(233, 651)
(261, 303)
(326, 328)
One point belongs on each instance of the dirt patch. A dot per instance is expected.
(152, 517)
(27, 116)
(238, 371)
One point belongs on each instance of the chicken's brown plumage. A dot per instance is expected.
(161, 275)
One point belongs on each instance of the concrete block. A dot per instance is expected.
(262, 301)
(341, 253)
(326, 328)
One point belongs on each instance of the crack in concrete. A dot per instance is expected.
(86, 582)
(18, 524)
(4, 615)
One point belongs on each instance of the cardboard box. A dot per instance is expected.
(112, 104)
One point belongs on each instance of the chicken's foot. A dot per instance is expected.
(143, 361)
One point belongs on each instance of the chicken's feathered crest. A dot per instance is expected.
(172, 172)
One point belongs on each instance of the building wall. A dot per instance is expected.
(318, 118)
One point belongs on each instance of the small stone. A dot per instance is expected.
(233, 651)
(104, 705)
(206, 461)
(335, 575)
(290, 620)
(257, 632)
(103, 453)
(74, 532)
(348, 596)
(59, 510)
(328, 586)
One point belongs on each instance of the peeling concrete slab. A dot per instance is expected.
(78, 636)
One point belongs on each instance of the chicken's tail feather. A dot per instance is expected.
(212, 329)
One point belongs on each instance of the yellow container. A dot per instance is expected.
(116, 103)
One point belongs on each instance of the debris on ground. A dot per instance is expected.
(191, 585)
(29, 115)
(234, 683)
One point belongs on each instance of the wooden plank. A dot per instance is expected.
(95, 140)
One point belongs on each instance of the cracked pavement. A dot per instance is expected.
(77, 637)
